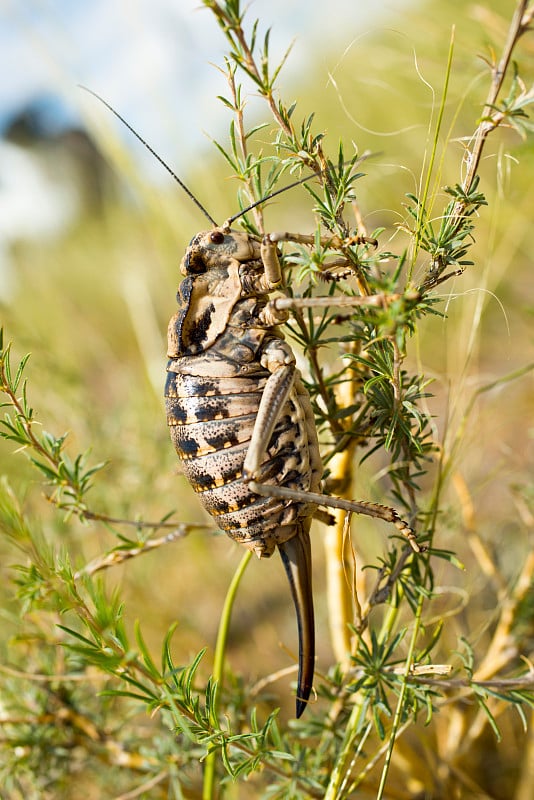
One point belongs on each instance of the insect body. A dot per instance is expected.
(238, 411)
(239, 415)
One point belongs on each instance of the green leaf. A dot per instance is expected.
(143, 649)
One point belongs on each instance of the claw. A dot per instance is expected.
(296, 557)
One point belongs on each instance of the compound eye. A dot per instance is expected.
(216, 237)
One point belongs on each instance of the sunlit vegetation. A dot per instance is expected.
(113, 581)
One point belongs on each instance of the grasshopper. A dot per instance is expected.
(240, 417)
(239, 414)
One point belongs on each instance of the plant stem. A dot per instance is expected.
(423, 204)
(342, 766)
(218, 670)
(336, 544)
(395, 728)
(490, 119)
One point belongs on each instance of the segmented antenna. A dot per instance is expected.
(190, 193)
(151, 150)
(229, 221)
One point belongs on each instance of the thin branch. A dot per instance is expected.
(490, 118)
(119, 555)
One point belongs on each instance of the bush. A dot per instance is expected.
(425, 663)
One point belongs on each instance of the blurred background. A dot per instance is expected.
(92, 230)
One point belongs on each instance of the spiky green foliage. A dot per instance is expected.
(87, 702)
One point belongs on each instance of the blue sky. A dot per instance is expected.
(151, 59)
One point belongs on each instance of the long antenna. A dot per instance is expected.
(151, 150)
(229, 221)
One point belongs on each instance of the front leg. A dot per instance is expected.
(272, 277)
(280, 361)
(326, 241)
(271, 264)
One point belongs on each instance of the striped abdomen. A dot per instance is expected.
(229, 362)
(211, 420)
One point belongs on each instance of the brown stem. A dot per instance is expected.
(398, 358)
(116, 557)
(178, 529)
(242, 137)
(490, 120)
(232, 30)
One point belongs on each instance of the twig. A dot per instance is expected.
(490, 118)
(119, 555)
